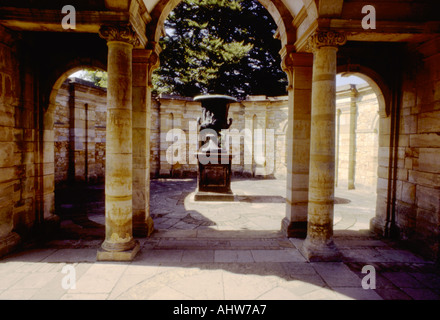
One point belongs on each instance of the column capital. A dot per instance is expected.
(297, 59)
(293, 60)
(325, 39)
(145, 56)
(119, 32)
(354, 93)
(148, 57)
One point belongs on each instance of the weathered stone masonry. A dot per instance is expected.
(415, 193)
(360, 102)
(257, 112)
(245, 114)
(401, 58)
(17, 169)
(79, 129)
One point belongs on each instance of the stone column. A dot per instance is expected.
(90, 143)
(179, 147)
(142, 222)
(319, 245)
(119, 243)
(45, 173)
(338, 135)
(248, 145)
(166, 124)
(78, 136)
(352, 143)
(298, 66)
(259, 154)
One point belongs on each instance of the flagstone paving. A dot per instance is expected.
(221, 251)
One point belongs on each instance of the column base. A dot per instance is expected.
(9, 243)
(320, 251)
(294, 229)
(377, 226)
(126, 255)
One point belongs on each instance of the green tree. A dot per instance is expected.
(220, 46)
(98, 77)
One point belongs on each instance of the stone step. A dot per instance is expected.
(221, 244)
(210, 233)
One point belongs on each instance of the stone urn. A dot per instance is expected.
(214, 162)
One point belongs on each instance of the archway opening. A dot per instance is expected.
(78, 111)
(261, 108)
(358, 107)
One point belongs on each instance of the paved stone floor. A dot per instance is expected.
(217, 251)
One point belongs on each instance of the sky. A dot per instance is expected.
(76, 74)
(340, 81)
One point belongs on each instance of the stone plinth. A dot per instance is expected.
(214, 177)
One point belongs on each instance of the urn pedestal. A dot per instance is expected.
(214, 162)
(214, 178)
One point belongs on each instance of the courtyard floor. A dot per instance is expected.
(216, 251)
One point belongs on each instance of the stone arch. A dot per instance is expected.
(281, 14)
(48, 112)
(377, 83)
(59, 76)
(46, 127)
(383, 96)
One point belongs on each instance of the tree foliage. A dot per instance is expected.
(220, 46)
(98, 77)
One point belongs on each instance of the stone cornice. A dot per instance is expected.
(117, 32)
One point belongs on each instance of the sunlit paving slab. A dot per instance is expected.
(336, 274)
(258, 205)
(228, 251)
(235, 256)
(277, 274)
(237, 286)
